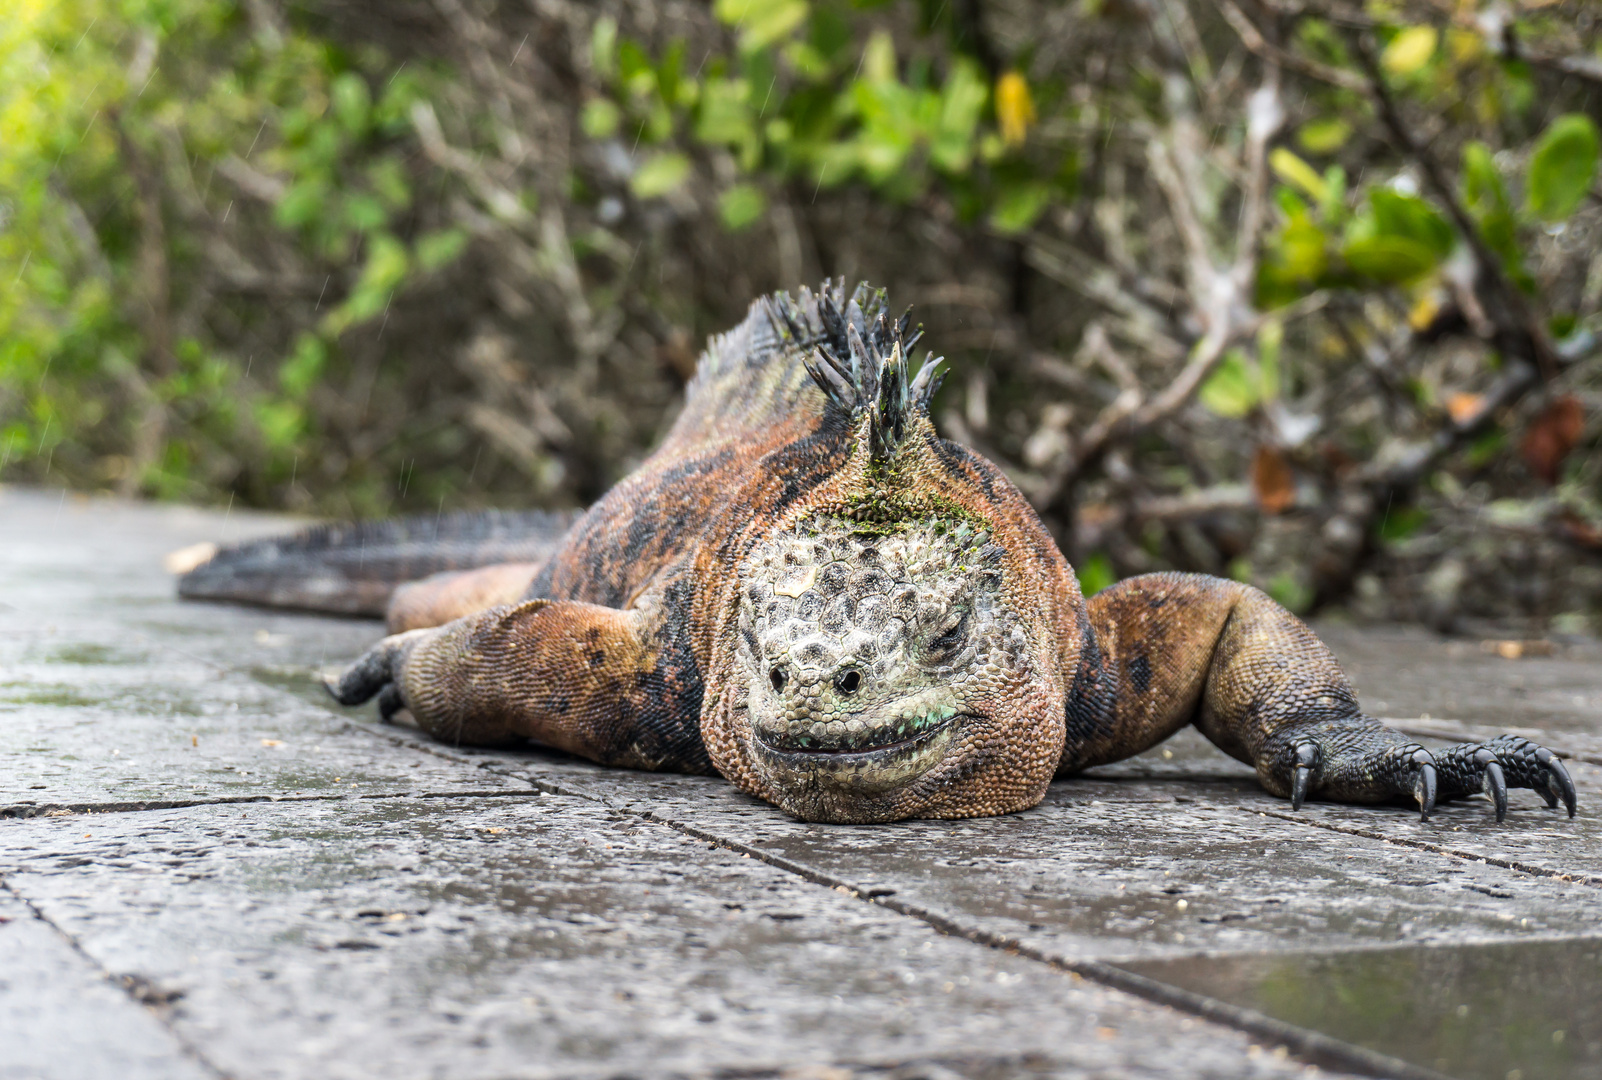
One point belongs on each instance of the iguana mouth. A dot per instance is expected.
(882, 758)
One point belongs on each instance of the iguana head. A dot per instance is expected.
(894, 648)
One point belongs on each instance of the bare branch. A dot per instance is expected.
(1254, 40)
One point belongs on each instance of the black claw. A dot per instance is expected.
(1496, 787)
(1425, 789)
(1308, 759)
(1571, 798)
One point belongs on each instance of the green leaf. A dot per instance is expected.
(352, 102)
(761, 22)
(1018, 208)
(741, 205)
(600, 118)
(388, 180)
(1232, 389)
(1297, 254)
(384, 270)
(1409, 51)
(1095, 574)
(1487, 199)
(879, 59)
(603, 46)
(436, 249)
(962, 101)
(1562, 167)
(1396, 214)
(1389, 259)
(724, 118)
(1482, 183)
(364, 213)
(1324, 136)
(1296, 172)
(281, 423)
(660, 175)
(301, 370)
(302, 204)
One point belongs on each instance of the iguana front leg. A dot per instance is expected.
(578, 677)
(1171, 649)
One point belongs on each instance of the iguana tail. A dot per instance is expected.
(352, 569)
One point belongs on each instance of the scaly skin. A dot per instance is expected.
(808, 591)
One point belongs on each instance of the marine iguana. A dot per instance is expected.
(807, 590)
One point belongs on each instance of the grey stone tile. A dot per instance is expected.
(550, 936)
(1405, 671)
(61, 1019)
(113, 692)
(1482, 1012)
(83, 721)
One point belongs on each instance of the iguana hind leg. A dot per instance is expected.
(1171, 649)
(578, 677)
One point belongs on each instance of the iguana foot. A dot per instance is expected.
(377, 672)
(1336, 765)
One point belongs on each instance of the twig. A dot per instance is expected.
(1254, 41)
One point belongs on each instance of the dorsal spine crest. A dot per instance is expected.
(861, 360)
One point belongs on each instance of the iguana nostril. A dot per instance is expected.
(847, 682)
(777, 678)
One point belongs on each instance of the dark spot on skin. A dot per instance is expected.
(597, 658)
(592, 635)
(1156, 602)
(562, 705)
(1140, 674)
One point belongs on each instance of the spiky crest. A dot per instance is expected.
(861, 360)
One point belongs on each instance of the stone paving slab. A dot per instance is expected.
(546, 936)
(539, 950)
(1479, 1011)
(112, 694)
(152, 732)
(1403, 671)
(61, 1019)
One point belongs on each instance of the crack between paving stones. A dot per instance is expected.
(33, 810)
(1439, 849)
(126, 986)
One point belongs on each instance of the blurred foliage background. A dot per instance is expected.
(1304, 292)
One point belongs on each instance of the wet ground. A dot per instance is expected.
(210, 870)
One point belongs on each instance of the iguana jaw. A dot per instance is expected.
(864, 753)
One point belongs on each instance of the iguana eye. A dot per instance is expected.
(777, 678)
(951, 636)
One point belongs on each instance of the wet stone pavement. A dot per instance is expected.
(208, 870)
